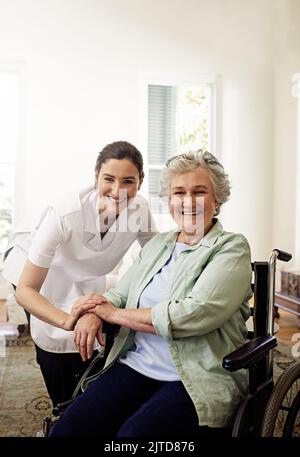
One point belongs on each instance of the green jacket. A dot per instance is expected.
(203, 318)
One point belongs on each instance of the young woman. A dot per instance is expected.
(78, 241)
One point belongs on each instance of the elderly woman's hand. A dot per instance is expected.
(105, 311)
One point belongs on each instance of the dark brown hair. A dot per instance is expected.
(120, 150)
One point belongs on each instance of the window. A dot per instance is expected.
(9, 137)
(180, 118)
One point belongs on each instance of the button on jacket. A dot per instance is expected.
(203, 318)
(67, 240)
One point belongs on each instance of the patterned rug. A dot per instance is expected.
(24, 401)
(23, 397)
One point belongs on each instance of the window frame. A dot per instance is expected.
(168, 79)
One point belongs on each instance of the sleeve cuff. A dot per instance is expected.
(160, 319)
(41, 260)
(115, 300)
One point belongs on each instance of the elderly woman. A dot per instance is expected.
(182, 306)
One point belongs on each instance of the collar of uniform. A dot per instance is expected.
(91, 223)
(89, 206)
(90, 217)
(208, 240)
(136, 208)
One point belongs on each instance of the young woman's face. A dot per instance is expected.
(118, 181)
(192, 201)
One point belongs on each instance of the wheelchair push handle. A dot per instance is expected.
(283, 256)
(276, 254)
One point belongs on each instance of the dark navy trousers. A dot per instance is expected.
(125, 403)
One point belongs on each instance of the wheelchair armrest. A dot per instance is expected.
(250, 353)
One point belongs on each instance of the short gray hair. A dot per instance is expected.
(193, 160)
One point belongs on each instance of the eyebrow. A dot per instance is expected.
(125, 177)
(195, 187)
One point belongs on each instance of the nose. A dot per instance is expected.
(115, 189)
(188, 202)
(192, 202)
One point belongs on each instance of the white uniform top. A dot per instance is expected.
(67, 240)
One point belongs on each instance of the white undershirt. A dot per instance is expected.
(150, 354)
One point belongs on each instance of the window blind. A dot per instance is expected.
(161, 123)
(161, 132)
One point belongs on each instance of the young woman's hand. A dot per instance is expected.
(81, 306)
(87, 328)
(85, 303)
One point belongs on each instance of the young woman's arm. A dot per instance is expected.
(28, 295)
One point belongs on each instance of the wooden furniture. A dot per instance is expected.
(288, 303)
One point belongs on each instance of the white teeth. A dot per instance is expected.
(191, 214)
(116, 199)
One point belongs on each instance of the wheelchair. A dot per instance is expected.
(266, 409)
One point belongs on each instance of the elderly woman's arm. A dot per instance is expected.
(215, 297)
(135, 319)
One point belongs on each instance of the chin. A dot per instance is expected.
(192, 225)
(112, 209)
(189, 230)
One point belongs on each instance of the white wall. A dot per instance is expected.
(286, 63)
(83, 60)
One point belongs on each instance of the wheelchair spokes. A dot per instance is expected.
(282, 416)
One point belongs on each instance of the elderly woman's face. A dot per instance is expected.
(192, 201)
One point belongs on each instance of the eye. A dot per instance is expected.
(108, 179)
(128, 181)
(178, 193)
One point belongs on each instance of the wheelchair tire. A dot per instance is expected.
(283, 406)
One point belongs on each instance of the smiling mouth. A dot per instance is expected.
(191, 213)
(116, 200)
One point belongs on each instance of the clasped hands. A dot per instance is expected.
(86, 318)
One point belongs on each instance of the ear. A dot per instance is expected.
(217, 208)
(140, 183)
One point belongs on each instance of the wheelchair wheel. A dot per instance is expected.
(282, 415)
